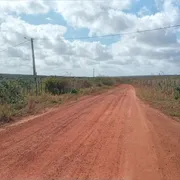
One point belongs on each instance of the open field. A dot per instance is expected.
(113, 135)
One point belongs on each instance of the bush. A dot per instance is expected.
(57, 86)
(82, 83)
(86, 84)
(108, 81)
(105, 81)
(10, 93)
(178, 89)
(177, 93)
(74, 91)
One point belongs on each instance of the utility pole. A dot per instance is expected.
(93, 72)
(34, 65)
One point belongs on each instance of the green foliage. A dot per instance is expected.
(10, 93)
(178, 89)
(57, 86)
(74, 91)
(177, 93)
(107, 81)
(18, 94)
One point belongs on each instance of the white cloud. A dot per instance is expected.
(97, 14)
(27, 7)
(51, 49)
(15, 29)
(144, 53)
(144, 11)
(48, 19)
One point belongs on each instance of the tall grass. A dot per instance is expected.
(162, 92)
(167, 86)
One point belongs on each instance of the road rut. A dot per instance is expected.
(113, 135)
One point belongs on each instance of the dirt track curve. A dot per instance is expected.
(111, 136)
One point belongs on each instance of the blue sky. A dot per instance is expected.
(136, 54)
(53, 17)
(56, 18)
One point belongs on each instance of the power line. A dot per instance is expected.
(119, 34)
(114, 35)
(15, 45)
(128, 33)
(108, 35)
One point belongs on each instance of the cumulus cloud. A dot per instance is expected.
(142, 53)
(28, 7)
(51, 49)
(95, 14)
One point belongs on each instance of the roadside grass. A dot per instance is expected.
(37, 104)
(165, 103)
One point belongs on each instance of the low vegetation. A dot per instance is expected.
(162, 92)
(18, 96)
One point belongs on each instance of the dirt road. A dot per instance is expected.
(112, 136)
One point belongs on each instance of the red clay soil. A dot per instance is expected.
(111, 136)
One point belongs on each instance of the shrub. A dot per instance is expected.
(107, 81)
(177, 93)
(81, 83)
(10, 93)
(104, 81)
(74, 91)
(57, 86)
(178, 89)
(86, 84)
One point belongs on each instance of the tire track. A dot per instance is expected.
(76, 111)
(63, 119)
(20, 159)
(109, 136)
(92, 142)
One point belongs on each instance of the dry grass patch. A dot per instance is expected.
(167, 104)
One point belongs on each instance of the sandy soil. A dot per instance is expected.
(111, 136)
